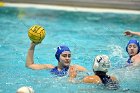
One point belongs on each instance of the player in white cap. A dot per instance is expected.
(101, 65)
(25, 89)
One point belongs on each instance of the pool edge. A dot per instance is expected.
(69, 8)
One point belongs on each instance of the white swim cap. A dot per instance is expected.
(25, 89)
(101, 63)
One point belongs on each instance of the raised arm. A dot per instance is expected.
(30, 60)
(131, 33)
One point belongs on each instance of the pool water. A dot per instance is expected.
(86, 33)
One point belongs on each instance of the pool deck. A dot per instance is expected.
(114, 4)
(11, 3)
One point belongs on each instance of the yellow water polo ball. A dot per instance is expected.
(1, 4)
(36, 33)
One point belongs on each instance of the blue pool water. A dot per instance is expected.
(87, 35)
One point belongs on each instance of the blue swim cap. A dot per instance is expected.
(134, 41)
(60, 49)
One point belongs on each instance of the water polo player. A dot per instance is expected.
(63, 56)
(100, 68)
(25, 89)
(133, 49)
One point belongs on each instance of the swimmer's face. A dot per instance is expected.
(65, 58)
(132, 49)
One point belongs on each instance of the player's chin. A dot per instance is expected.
(67, 64)
(132, 54)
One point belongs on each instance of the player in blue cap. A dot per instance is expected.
(63, 56)
(133, 49)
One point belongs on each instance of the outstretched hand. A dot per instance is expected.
(128, 33)
(72, 72)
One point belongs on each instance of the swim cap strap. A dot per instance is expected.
(129, 60)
